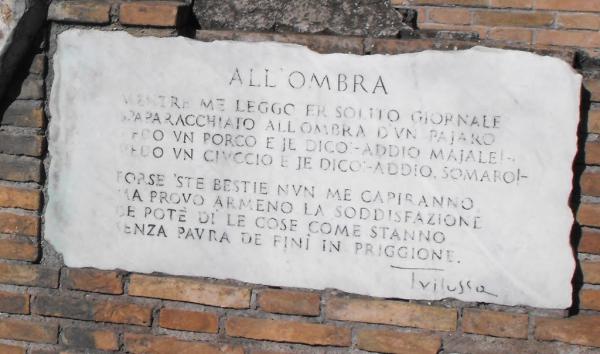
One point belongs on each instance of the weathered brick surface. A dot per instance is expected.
(30, 145)
(17, 224)
(583, 330)
(89, 338)
(32, 88)
(590, 241)
(290, 302)
(288, 331)
(494, 323)
(591, 272)
(186, 320)
(589, 299)
(189, 290)
(318, 43)
(14, 302)
(12, 349)
(31, 275)
(147, 344)
(514, 19)
(28, 331)
(590, 183)
(492, 345)
(568, 5)
(19, 248)
(393, 313)
(98, 281)
(38, 65)
(593, 87)
(22, 198)
(516, 4)
(450, 15)
(91, 310)
(28, 114)
(589, 214)
(510, 35)
(20, 169)
(80, 11)
(579, 21)
(153, 13)
(585, 39)
(593, 121)
(397, 342)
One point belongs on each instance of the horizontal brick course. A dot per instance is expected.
(585, 39)
(189, 290)
(591, 272)
(29, 331)
(20, 169)
(494, 323)
(17, 303)
(99, 281)
(22, 198)
(288, 331)
(29, 145)
(89, 338)
(29, 114)
(568, 5)
(290, 302)
(31, 275)
(582, 330)
(19, 249)
(186, 320)
(589, 242)
(588, 214)
(589, 299)
(91, 310)
(392, 313)
(12, 349)
(515, 19)
(17, 224)
(397, 342)
(153, 13)
(148, 344)
(79, 11)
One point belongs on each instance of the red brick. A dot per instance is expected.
(517, 19)
(28, 114)
(288, 331)
(90, 338)
(91, 310)
(20, 169)
(590, 183)
(22, 144)
(29, 275)
(591, 272)
(579, 21)
(19, 249)
(22, 198)
(397, 342)
(11, 349)
(586, 39)
(480, 31)
(590, 242)
(185, 320)
(593, 86)
(290, 302)
(148, 344)
(592, 153)
(511, 35)
(393, 313)
(189, 290)
(594, 121)
(589, 299)
(153, 13)
(494, 323)
(475, 3)
(28, 331)
(450, 16)
(84, 11)
(582, 330)
(98, 281)
(589, 214)
(17, 224)
(568, 5)
(14, 303)
(517, 4)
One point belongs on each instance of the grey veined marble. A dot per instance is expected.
(418, 176)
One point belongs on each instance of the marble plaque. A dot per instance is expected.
(417, 176)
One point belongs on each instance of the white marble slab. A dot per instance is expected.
(419, 176)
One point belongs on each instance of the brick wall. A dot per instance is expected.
(48, 308)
